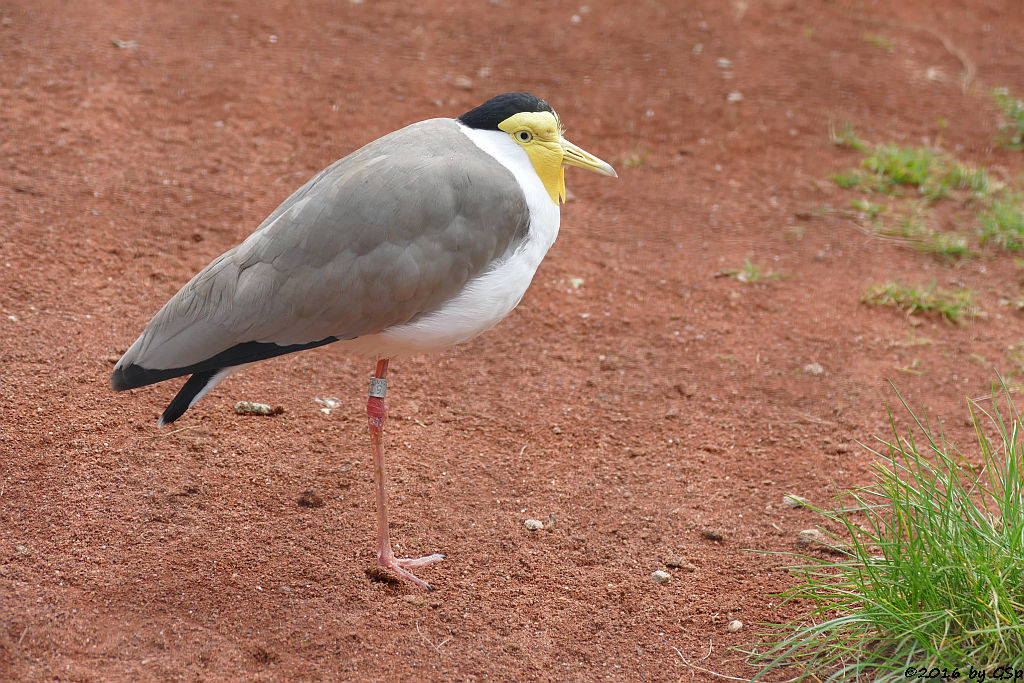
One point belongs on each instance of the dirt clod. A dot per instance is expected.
(712, 535)
(679, 562)
(252, 408)
(311, 499)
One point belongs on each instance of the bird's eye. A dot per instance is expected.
(524, 135)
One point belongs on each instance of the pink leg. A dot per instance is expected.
(377, 412)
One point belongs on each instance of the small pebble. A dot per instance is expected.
(712, 535)
(533, 524)
(463, 83)
(661, 576)
(734, 625)
(809, 536)
(734, 96)
(814, 538)
(251, 408)
(329, 403)
(794, 501)
(814, 369)
(679, 562)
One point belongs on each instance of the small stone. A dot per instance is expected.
(712, 535)
(810, 536)
(420, 601)
(814, 538)
(723, 63)
(661, 576)
(285, 589)
(311, 499)
(463, 83)
(329, 403)
(814, 369)
(575, 282)
(734, 626)
(22, 550)
(252, 408)
(533, 524)
(679, 562)
(734, 96)
(794, 501)
(687, 390)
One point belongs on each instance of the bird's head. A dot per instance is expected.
(534, 126)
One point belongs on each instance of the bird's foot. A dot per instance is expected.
(401, 566)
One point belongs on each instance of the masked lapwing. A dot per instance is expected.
(422, 239)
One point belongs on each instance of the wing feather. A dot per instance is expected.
(388, 233)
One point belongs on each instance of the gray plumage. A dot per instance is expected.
(382, 236)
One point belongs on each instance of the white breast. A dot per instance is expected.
(492, 295)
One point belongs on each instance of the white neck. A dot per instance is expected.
(544, 213)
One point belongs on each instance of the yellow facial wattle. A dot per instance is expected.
(540, 135)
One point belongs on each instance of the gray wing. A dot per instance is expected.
(388, 233)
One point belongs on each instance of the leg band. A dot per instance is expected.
(378, 387)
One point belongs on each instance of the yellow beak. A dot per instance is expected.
(574, 156)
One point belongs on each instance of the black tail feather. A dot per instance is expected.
(183, 399)
(131, 376)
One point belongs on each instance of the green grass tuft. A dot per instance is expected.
(867, 209)
(947, 245)
(750, 273)
(1003, 223)
(1011, 131)
(932, 173)
(845, 136)
(953, 305)
(916, 179)
(847, 179)
(932, 573)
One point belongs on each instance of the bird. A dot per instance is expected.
(422, 239)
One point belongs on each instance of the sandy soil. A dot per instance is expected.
(638, 404)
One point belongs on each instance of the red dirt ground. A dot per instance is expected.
(651, 404)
